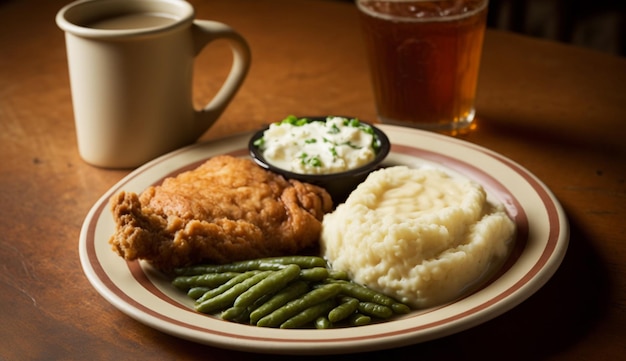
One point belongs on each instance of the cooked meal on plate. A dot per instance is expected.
(251, 246)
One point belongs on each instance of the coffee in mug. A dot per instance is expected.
(130, 66)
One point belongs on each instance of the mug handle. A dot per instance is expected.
(204, 32)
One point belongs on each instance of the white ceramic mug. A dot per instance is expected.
(131, 70)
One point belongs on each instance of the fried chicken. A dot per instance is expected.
(225, 210)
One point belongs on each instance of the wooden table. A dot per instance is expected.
(559, 111)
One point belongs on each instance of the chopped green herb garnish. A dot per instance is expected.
(334, 129)
(295, 121)
(353, 146)
(367, 129)
(376, 144)
(259, 142)
(353, 123)
(333, 151)
(315, 161)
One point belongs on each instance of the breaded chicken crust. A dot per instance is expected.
(227, 209)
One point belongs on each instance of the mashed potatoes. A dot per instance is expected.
(418, 235)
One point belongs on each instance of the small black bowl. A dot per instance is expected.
(338, 185)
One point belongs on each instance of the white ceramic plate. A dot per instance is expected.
(542, 237)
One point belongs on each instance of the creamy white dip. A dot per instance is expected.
(318, 147)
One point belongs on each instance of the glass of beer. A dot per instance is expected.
(424, 58)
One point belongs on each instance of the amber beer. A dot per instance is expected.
(424, 59)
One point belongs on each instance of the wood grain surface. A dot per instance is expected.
(557, 110)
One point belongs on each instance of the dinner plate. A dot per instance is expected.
(144, 294)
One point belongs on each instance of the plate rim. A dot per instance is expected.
(125, 304)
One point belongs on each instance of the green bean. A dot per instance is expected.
(400, 308)
(233, 313)
(347, 307)
(260, 301)
(197, 292)
(263, 264)
(359, 319)
(239, 267)
(227, 298)
(272, 283)
(314, 274)
(291, 292)
(368, 295)
(301, 261)
(293, 307)
(226, 286)
(205, 280)
(365, 294)
(309, 314)
(244, 317)
(286, 292)
(374, 309)
(338, 275)
(322, 322)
